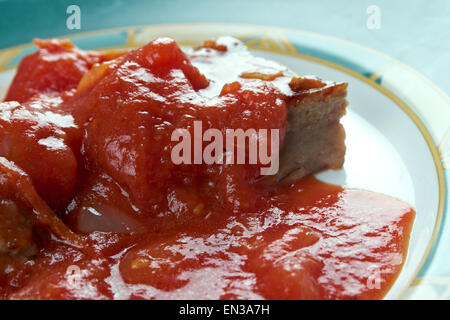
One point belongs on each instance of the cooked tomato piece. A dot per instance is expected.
(57, 66)
(133, 110)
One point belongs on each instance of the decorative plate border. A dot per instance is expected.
(382, 75)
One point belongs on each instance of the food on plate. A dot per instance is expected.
(96, 204)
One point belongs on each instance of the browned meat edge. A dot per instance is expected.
(314, 137)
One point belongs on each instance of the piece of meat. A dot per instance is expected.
(125, 97)
(15, 230)
(315, 138)
(21, 211)
(16, 192)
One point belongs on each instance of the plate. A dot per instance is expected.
(397, 124)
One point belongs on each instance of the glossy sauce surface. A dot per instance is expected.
(151, 229)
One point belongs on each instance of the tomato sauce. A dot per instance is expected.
(94, 142)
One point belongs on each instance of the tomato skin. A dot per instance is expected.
(164, 53)
(33, 139)
(93, 138)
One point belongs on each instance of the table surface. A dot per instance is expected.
(416, 32)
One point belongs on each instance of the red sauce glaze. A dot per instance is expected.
(95, 141)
